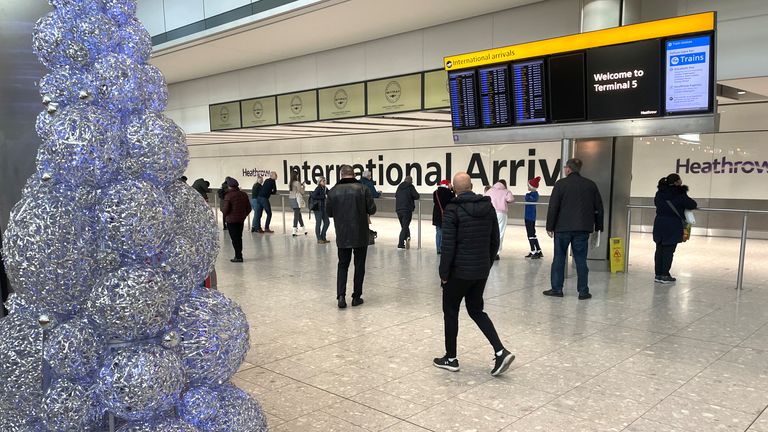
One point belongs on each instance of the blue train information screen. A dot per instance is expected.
(461, 86)
(529, 92)
(494, 96)
(689, 74)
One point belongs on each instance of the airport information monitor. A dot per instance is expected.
(648, 70)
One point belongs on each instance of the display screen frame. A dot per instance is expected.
(545, 89)
(475, 89)
(551, 92)
(509, 92)
(711, 98)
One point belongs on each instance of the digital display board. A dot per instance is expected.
(297, 107)
(688, 74)
(224, 116)
(624, 81)
(461, 86)
(342, 101)
(259, 112)
(566, 88)
(494, 96)
(529, 92)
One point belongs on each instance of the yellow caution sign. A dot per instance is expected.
(617, 254)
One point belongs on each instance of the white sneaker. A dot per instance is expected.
(408, 243)
(294, 232)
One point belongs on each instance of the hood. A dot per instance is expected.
(475, 205)
(347, 180)
(673, 189)
(498, 185)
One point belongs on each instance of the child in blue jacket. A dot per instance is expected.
(530, 218)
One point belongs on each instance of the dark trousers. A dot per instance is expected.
(345, 257)
(530, 229)
(267, 208)
(256, 213)
(321, 224)
(663, 258)
(297, 218)
(236, 234)
(472, 293)
(579, 242)
(405, 231)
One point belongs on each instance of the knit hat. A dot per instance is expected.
(444, 183)
(534, 182)
(232, 182)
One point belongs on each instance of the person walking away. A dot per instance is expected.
(317, 204)
(575, 211)
(221, 193)
(350, 204)
(671, 202)
(405, 204)
(202, 187)
(255, 190)
(268, 189)
(235, 208)
(367, 181)
(296, 199)
(501, 197)
(440, 197)
(470, 243)
(530, 218)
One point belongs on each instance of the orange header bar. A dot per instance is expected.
(613, 36)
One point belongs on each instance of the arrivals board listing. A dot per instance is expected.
(530, 106)
(494, 99)
(463, 99)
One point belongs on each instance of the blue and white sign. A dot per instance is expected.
(688, 74)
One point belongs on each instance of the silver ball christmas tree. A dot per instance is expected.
(109, 327)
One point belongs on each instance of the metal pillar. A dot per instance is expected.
(626, 240)
(419, 225)
(742, 253)
(567, 149)
(282, 205)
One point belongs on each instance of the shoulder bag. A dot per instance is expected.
(686, 224)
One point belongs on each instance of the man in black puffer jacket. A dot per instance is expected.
(350, 203)
(470, 242)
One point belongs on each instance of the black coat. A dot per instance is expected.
(470, 238)
(318, 196)
(668, 226)
(575, 205)
(268, 189)
(201, 186)
(441, 197)
(405, 197)
(255, 190)
(350, 203)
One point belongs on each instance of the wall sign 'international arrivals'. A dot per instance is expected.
(652, 69)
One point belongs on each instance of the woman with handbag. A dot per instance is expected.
(296, 199)
(317, 205)
(670, 226)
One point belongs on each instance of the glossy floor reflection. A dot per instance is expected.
(637, 357)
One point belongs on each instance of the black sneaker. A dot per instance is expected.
(342, 303)
(444, 363)
(538, 255)
(670, 278)
(661, 280)
(496, 258)
(357, 301)
(236, 260)
(530, 255)
(586, 296)
(552, 293)
(502, 362)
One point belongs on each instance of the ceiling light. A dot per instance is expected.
(694, 137)
(741, 92)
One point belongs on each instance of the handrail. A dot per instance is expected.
(742, 244)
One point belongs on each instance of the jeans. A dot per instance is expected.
(266, 207)
(256, 213)
(345, 257)
(579, 241)
(530, 229)
(405, 231)
(298, 220)
(321, 224)
(236, 234)
(438, 237)
(501, 219)
(472, 293)
(663, 258)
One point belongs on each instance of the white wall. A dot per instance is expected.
(399, 54)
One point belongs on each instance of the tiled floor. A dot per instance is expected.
(637, 357)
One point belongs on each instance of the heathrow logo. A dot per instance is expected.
(393, 91)
(258, 110)
(297, 105)
(340, 98)
(449, 64)
(224, 114)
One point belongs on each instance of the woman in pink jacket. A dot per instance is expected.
(500, 197)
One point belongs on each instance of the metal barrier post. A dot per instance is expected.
(419, 227)
(626, 240)
(282, 204)
(742, 253)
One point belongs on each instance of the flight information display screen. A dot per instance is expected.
(494, 96)
(529, 92)
(461, 86)
(566, 88)
(689, 74)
